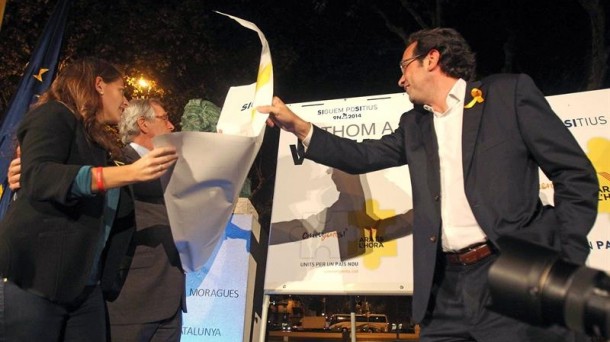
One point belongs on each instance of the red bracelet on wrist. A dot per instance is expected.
(99, 178)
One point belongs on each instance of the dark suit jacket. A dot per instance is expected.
(48, 239)
(154, 286)
(504, 141)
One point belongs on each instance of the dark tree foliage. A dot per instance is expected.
(321, 49)
(23, 22)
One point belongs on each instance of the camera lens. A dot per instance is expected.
(533, 284)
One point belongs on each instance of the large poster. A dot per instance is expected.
(586, 115)
(219, 295)
(334, 233)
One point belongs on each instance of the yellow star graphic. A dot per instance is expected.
(39, 76)
(598, 150)
(372, 256)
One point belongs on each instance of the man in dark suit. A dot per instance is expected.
(150, 304)
(473, 150)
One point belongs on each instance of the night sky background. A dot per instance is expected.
(321, 49)
(347, 50)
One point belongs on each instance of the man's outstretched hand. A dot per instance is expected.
(281, 116)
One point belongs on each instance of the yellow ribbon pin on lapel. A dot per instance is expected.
(477, 97)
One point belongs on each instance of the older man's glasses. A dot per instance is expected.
(164, 117)
(405, 62)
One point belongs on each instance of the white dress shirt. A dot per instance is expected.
(142, 151)
(459, 226)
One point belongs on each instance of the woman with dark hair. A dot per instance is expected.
(62, 240)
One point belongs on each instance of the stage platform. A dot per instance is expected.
(337, 336)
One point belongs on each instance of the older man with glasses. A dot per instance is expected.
(151, 301)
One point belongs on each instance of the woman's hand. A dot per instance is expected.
(154, 164)
(14, 171)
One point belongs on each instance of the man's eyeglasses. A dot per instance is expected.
(164, 117)
(405, 62)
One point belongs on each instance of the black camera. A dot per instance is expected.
(533, 284)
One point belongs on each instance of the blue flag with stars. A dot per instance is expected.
(37, 78)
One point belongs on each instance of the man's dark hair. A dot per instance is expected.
(457, 60)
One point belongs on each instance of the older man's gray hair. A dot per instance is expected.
(128, 126)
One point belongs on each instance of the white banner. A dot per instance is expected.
(586, 115)
(336, 233)
(219, 302)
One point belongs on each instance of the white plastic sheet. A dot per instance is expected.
(202, 188)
